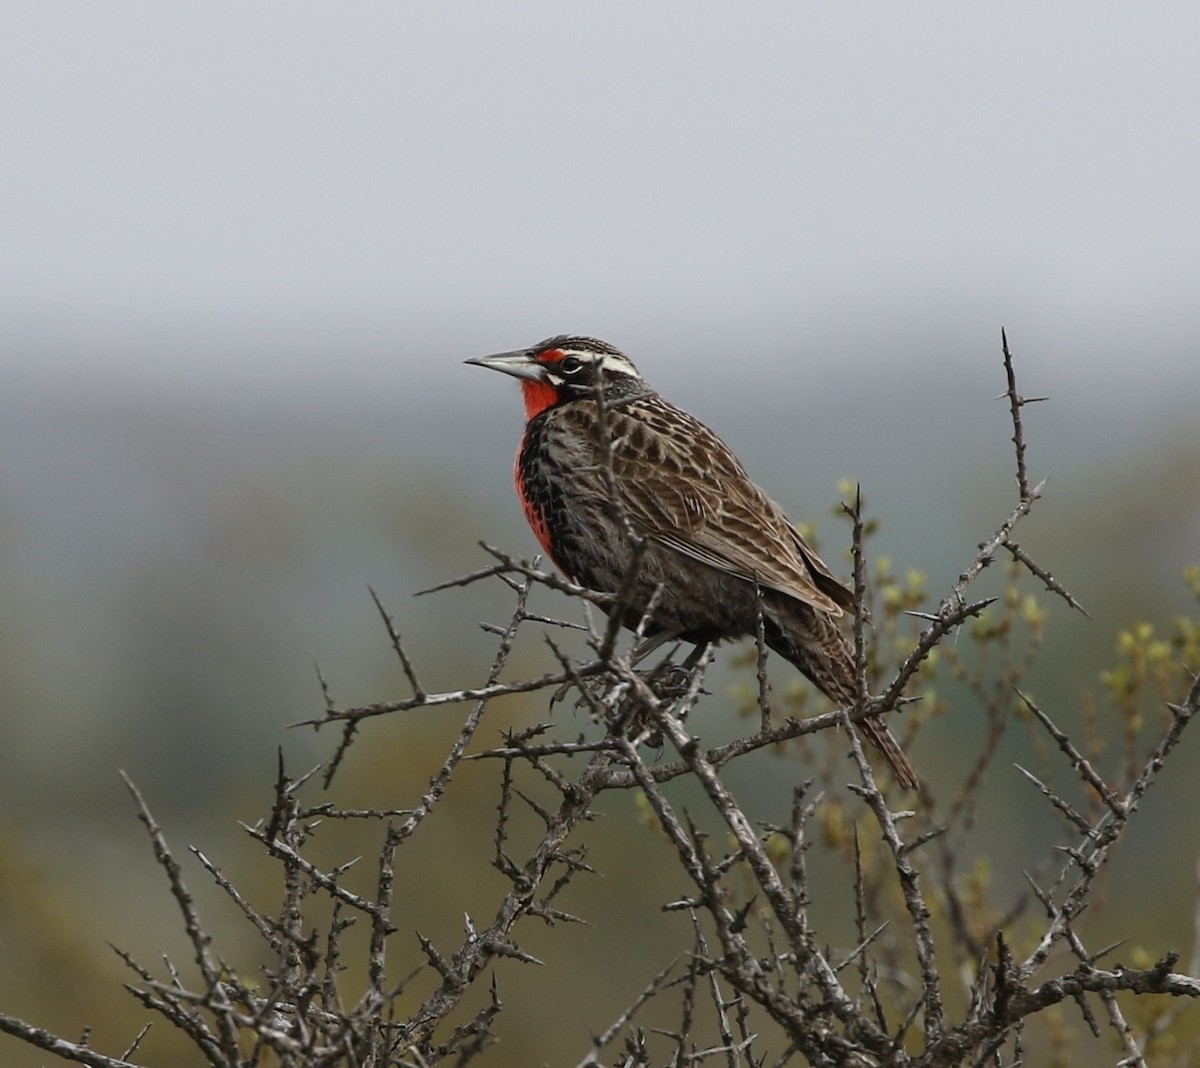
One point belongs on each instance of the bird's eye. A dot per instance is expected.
(571, 365)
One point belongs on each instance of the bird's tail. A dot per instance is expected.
(811, 640)
(875, 731)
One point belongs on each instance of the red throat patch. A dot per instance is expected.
(538, 397)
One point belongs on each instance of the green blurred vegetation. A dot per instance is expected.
(170, 572)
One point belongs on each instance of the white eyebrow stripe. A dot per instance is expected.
(609, 362)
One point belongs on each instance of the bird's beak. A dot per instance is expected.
(522, 364)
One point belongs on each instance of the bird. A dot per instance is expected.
(607, 468)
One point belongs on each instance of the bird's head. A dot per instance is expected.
(565, 367)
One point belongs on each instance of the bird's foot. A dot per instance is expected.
(667, 682)
(627, 707)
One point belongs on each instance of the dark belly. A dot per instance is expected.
(682, 594)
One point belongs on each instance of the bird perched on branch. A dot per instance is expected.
(608, 473)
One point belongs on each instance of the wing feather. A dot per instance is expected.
(680, 485)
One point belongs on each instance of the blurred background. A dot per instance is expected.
(244, 250)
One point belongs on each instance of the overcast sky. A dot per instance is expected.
(258, 192)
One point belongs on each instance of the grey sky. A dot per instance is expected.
(324, 190)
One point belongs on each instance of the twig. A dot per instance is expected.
(1016, 403)
(60, 1047)
(398, 645)
(199, 938)
(1051, 582)
(610, 1033)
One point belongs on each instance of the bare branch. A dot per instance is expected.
(1051, 582)
(1016, 403)
(398, 645)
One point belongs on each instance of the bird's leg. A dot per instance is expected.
(671, 681)
(675, 681)
(667, 681)
(640, 652)
(650, 644)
